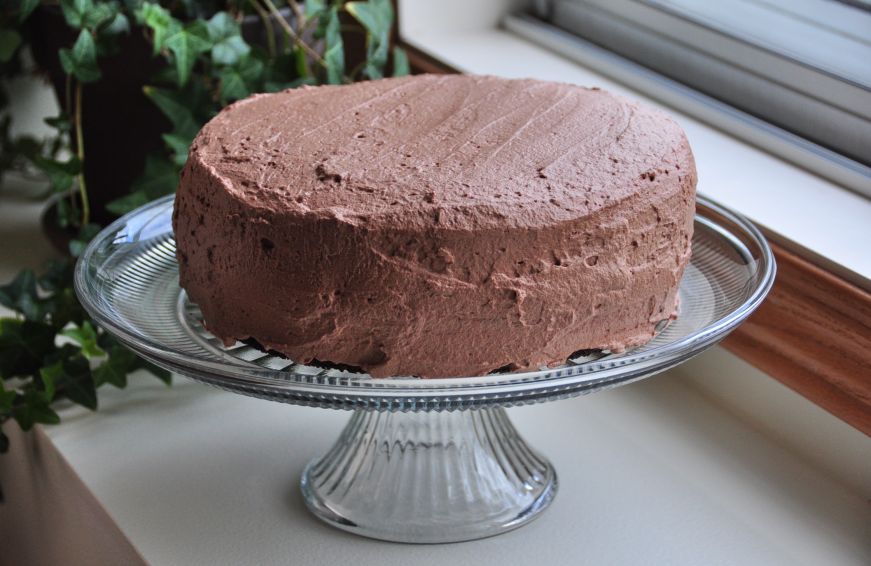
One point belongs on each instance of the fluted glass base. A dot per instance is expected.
(429, 477)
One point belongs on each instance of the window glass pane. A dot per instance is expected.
(834, 37)
(799, 71)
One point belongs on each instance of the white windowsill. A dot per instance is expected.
(803, 208)
(654, 473)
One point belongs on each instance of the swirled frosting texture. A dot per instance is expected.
(436, 225)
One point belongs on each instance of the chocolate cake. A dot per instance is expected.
(436, 225)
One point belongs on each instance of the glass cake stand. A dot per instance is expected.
(420, 461)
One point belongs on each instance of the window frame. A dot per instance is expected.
(807, 116)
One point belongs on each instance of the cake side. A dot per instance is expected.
(439, 286)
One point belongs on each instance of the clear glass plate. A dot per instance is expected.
(127, 279)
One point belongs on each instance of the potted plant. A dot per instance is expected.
(136, 81)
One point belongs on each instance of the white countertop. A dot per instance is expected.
(654, 473)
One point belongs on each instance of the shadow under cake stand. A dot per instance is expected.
(421, 461)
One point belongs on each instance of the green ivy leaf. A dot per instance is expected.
(25, 8)
(20, 147)
(185, 127)
(21, 296)
(175, 106)
(99, 15)
(76, 382)
(9, 42)
(178, 145)
(61, 123)
(400, 63)
(376, 17)
(66, 215)
(61, 174)
(85, 14)
(81, 61)
(85, 235)
(7, 396)
(34, 409)
(128, 202)
(230, 50)
(58, 275)
(180, 115)
(64, 307)
(334, 56)
(158, 372)
(252, 70)
(50, 376)
(119, 24)
(122, 362)
(159, 178)
(232, 86)
(114, 370)
(300, 59)
(227, 43)
(186, 45)
(23, 345)
(160, 21)
(74, 11)
(314, 8)
(86, 337)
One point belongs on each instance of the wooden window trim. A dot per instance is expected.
(812, 333)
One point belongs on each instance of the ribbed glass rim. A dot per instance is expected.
(343, 390)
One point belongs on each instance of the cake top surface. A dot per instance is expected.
(453, 149)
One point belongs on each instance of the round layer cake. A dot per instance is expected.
(436, 226)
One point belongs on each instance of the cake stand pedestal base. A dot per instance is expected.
(429, 477)
(450, 468)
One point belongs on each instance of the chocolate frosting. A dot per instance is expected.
(436, 225)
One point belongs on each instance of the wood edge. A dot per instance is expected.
(820, 261)
(813, 334)
(421, 62)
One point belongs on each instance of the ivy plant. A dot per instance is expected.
(50, 350)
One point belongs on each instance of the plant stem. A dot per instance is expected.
(359, 67)
(304, 27)
(68, 109)
(301, 24)
(80, 151)
(267, 24)
(68, 91)
(293, 35)
(298, 12)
